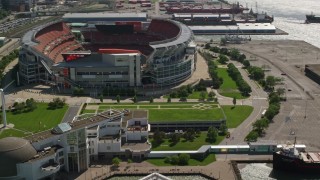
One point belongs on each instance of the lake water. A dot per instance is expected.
(289, 16)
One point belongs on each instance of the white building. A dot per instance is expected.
(73, 146)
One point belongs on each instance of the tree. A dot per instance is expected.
(223, 59)
(246, 63)
(223, 129)
(116, 161)
(190, 134)
(252, 136)
(260, 125)
(134, 99)
(211, 95)
(281, 92)
(101, 98)
(234, 101)
(184, 159)
(212, 134)
(175, 138)
(175, 160)
(223, 41)
(158, 136)
(270, 82)
(169, 99)
(151, 99)
(167, 159)
(234, 53)
(118, 98)
(56, 103)
(202, 96)
(207, 46)
(274, 98)
(241, 58)
(256, 73)
(31, 104)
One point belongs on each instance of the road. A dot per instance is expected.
(71, 113)
(259, 102)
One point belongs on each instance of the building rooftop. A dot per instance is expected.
(45, 153)
(112, 115)
(315, 68)
(104, 15)
(137, 145)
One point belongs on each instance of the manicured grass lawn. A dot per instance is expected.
(228, 83)
(30, 121)
(88, 111)
(229, 87)
(162, 115)
(12, 133)
(196, 95)
(236, 115)
(235, 94)
(186, 145)
(192, 162)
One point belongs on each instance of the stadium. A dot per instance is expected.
(98, 50)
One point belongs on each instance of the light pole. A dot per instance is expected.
(226, 151)
(305, 110)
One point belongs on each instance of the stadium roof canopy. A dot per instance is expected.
(185, 35)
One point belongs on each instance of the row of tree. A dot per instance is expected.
(182, 159)
(7, 60)
(189, 135)
(56, 103)
(3, 14)
(243, 86)
(256, 73)
(27, 106)
(216, 80)
(261, 124)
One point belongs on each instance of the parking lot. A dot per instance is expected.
(299, 115)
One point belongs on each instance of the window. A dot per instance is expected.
(72, 149)
(60, 153)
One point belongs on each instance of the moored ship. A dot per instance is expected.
(289, 158)
(311, 18)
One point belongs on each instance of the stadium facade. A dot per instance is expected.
(71, 147)
(98, 50)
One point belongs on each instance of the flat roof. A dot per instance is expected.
(315, 68)
(104, 15)
(241, 26)
(112, 115)
(200, 15)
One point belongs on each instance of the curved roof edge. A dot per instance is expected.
(184, 35)
(29, 37)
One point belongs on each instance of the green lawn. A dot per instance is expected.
(30, 121)
(196, 95)
(192, 162)
(229, 87)
(159, 115)
(88, 111)
(236, 115)
(12, 133)
(186, 145)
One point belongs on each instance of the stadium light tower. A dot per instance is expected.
(4, 117)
